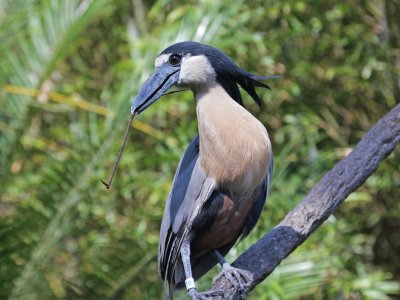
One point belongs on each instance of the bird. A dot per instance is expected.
(223, 178)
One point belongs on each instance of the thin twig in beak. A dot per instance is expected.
(121, 149)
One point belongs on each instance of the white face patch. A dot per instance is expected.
(196, 70)
(160, 60)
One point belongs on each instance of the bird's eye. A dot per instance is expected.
(174, 59)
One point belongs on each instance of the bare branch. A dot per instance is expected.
(326, 196)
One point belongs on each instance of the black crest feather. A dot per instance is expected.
(229, 74)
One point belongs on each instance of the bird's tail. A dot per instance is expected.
(178, 282)
(166, 292)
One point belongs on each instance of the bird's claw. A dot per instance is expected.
(239, 279)
(213, 295)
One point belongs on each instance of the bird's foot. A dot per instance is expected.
(214, 295)
(239, 279)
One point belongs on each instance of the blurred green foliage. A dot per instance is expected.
(68, 72)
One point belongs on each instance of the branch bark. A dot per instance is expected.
(325, 197)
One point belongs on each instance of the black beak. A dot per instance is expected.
(154, 87)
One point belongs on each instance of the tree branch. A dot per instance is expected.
(325, 197)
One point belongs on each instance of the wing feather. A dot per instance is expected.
(260, 203)
(190, 189)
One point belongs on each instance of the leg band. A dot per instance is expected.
(189, 282)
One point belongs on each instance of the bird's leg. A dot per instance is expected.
(239, 278)
(189, 282)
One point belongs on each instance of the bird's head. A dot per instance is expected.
(194, 65)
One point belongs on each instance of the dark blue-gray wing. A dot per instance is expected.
(259, 205)
(190, 188)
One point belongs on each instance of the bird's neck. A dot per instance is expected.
(234, 146)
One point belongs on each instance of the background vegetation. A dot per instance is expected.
(68, 72)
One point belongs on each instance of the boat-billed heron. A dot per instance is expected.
(223, 178)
